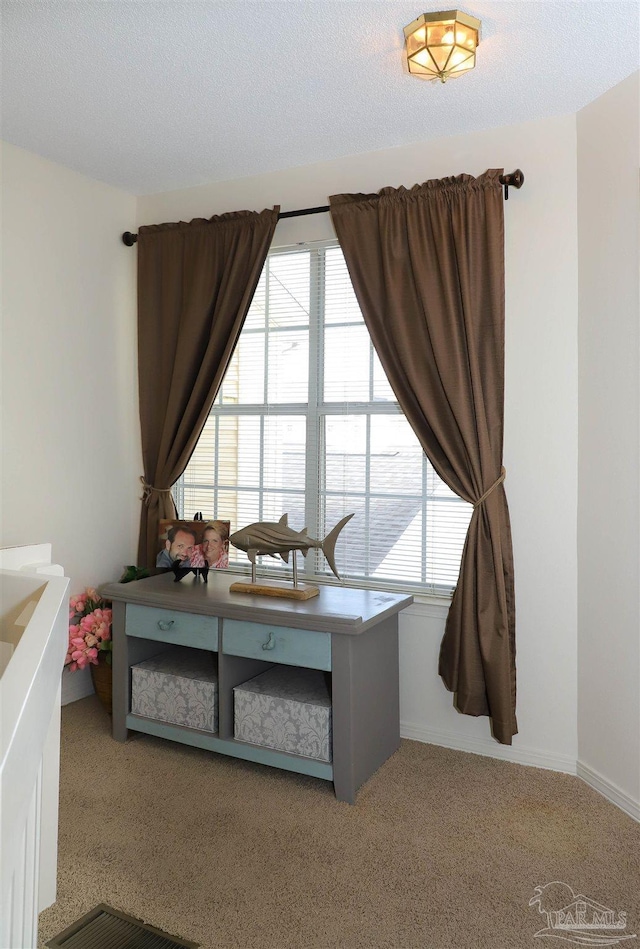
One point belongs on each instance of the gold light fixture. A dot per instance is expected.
(442, 45)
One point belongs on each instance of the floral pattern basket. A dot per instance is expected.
(285, 708)
(180, 686)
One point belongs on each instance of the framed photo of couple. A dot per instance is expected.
(193, 544)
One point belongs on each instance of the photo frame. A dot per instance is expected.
(193, 544)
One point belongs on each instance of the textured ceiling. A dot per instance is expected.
(154, 95)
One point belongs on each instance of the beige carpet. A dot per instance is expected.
(442, 850)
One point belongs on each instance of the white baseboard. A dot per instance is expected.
(532, 757)
(609, 790)
(76, 685)
(527, 756)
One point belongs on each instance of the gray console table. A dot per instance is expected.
(351, 634)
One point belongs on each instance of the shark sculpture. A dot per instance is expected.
(277, 538)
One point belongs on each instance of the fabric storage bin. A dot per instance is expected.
(285, 708)
(180, 686)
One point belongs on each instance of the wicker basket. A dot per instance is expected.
(101, 678)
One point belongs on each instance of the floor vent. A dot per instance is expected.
(106, 928)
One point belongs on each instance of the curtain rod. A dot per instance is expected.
(513, 180)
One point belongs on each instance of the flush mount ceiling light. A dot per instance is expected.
(442, 45)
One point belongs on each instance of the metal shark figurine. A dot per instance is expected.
(277, 538)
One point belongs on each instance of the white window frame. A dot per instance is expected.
(314, 567)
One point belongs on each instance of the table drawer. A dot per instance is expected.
(171, 626)
(293, 647)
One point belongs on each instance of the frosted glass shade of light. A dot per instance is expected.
(442, 45)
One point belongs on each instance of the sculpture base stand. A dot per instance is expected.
(303, 591)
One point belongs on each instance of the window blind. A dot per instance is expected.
(306, 423)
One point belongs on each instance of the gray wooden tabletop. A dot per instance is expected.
(335, 609)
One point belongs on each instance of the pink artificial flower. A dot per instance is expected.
(83, 655)
(87, 623)
(97, 624)
(79, 658)
(77, 645)
(88, 631)
(78, 602)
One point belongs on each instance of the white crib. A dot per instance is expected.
(33, 642)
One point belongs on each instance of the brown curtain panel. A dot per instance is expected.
(195, 285)
(427, 265)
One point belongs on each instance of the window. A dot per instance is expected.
(305, 423)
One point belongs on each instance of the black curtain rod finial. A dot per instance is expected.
(513, 180)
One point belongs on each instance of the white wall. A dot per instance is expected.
(541, 408)
(70, 440)
(609, 446)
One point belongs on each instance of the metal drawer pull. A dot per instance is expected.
(270, 643)
(165, 624)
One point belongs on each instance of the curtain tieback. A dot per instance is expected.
(148, 489)
(503, 475)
